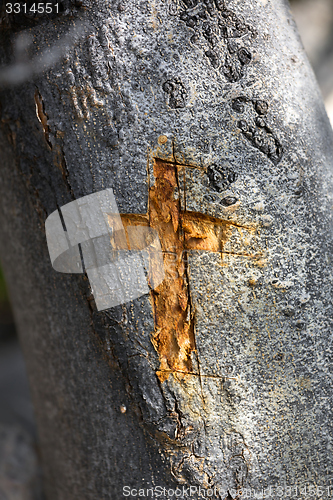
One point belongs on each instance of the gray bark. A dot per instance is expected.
(223, 99)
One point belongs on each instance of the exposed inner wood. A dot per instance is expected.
(42, 117)
(178, 232)
(174, 330)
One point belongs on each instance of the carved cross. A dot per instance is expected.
(179, 232)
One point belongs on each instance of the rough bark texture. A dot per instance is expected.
(206, 120)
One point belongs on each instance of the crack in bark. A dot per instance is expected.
(197, 374)
(42, 117)
(62, 164)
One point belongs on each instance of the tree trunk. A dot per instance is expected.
(206, 121)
